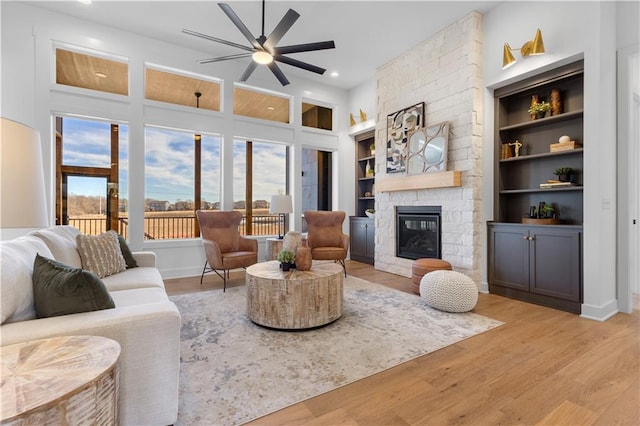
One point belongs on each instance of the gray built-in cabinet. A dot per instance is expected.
(538, 263)
(362, 233)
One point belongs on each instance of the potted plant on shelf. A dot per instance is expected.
(370, 213)
(287, 259)
(548, 212)
(564, 174)
(372, 148)
(539, 109)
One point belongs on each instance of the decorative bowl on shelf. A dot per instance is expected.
(369, 214)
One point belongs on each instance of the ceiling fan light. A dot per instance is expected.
(262, 57)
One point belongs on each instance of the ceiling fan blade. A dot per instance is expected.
(299, 64)
(247, 72)
(283, 26)
(224, 58)
(275, 69)
(216, 39)
(307, 47)
(240, 25)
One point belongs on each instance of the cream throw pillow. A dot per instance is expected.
(101, 254)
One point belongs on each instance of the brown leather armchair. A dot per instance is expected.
(325, 236)
(224, 247)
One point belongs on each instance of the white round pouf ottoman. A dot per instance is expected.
(449, 291)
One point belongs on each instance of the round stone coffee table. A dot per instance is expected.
(294, 300)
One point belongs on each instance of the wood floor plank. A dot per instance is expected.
(568, 413)
(543, 366)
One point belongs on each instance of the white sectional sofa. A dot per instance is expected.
(144, 321)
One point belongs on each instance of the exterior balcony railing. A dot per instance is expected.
(159, 227)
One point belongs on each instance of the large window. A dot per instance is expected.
(91, 174)
(182, 175)
(260, 170)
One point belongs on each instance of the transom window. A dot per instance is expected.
(92, 72)
(257, 104)
(181, 89)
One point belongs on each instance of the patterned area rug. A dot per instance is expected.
(233, 371)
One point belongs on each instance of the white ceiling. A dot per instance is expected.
(367, 34)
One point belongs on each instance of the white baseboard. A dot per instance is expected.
(600, 313)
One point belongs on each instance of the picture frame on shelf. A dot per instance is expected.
(399, 125)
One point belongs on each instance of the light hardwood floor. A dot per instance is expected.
(543, 366)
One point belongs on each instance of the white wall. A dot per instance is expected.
(590, 32)
(30, 96)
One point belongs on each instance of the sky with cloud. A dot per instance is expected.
(169, 158)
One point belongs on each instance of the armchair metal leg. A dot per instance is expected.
(204, 269)
(344, 266)
(224, 276)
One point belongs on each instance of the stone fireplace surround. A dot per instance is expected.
(444, 72)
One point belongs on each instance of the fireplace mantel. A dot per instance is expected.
(423, 181)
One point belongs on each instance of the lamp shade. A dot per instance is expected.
(537, 45)
(22, 195)
(507, 57)
(280, 204)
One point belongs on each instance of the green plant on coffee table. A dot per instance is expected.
(286, 256)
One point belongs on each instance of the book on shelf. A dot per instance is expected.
(564, 146)
(551, 183)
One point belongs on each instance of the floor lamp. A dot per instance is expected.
(23, 204)
(280, 205)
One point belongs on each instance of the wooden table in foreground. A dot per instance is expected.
(294, 299)
(63, 380)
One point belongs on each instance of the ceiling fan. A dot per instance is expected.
(263, 50)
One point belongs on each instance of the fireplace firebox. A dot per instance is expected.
(418, 232)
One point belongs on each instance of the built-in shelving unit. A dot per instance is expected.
(538, 263)
(365, 184)
(362, 228)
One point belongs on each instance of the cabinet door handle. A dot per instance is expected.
(524, 237)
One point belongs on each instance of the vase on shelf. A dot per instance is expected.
(367, 170)
(556, 102)
(534, 100)
(303, 256)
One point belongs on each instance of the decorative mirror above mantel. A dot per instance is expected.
(428, 149)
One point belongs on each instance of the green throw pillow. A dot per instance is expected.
(126, 253)
(59, 289)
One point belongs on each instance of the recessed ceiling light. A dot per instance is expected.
(85, 1)
(271, 108)
(101, 74)
(335, 74)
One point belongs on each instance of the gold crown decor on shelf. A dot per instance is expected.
(352, 119)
